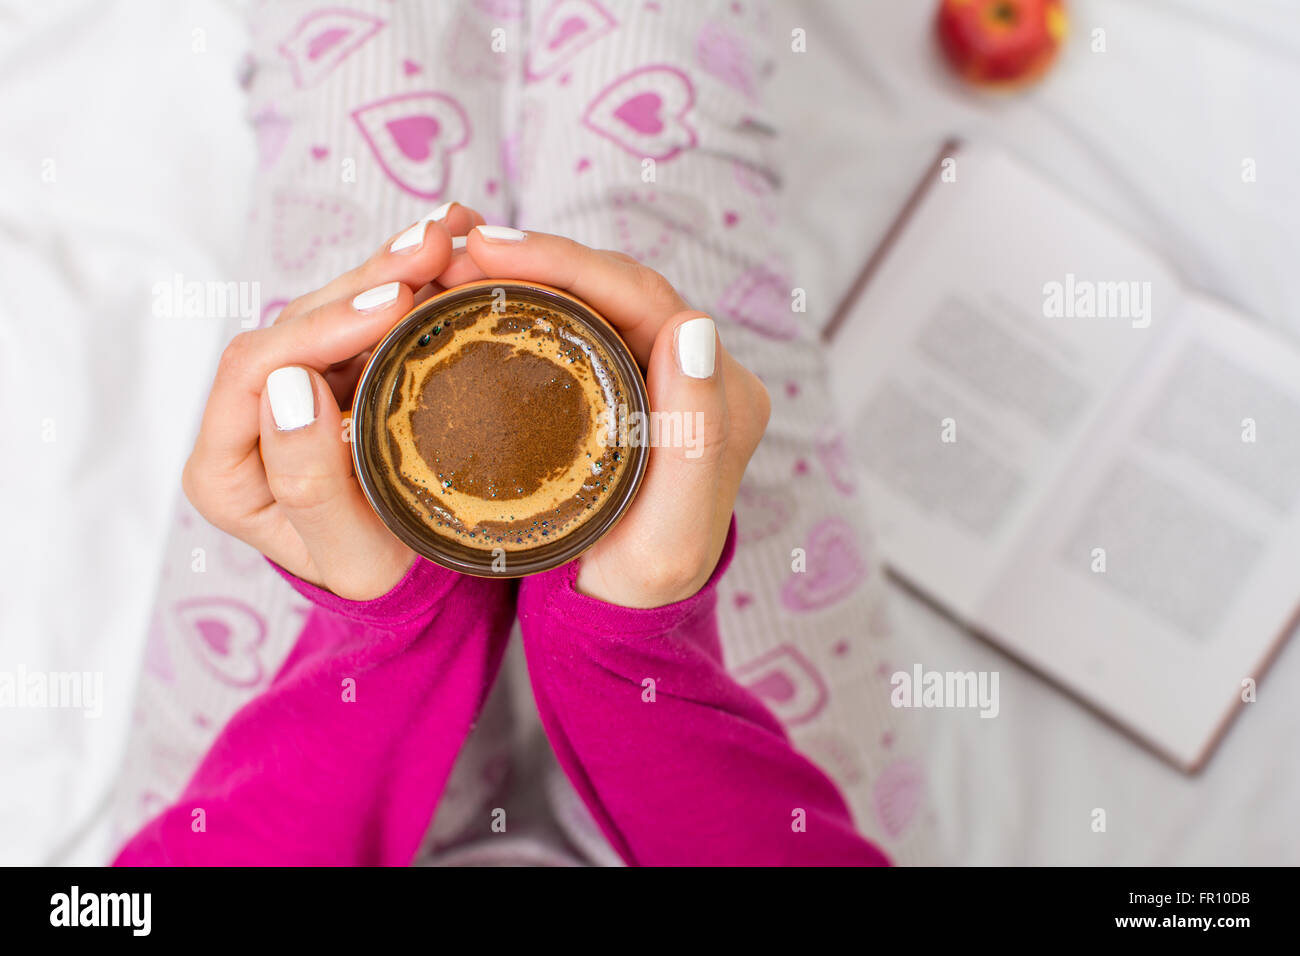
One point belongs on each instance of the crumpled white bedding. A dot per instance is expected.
(126, 161)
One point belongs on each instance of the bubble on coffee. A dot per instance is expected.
(495, 428)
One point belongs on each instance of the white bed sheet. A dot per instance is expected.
(138, 108)
(1152, 133)
(152, 160)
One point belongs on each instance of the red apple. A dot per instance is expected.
(1001, 42)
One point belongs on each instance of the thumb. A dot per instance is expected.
(680, 518)
(684, 378)
(309, 471)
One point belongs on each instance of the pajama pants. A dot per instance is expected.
(636, 126)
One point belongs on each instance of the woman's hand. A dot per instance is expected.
(271, 465)
(667, 545)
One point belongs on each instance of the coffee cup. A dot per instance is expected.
(486, 428)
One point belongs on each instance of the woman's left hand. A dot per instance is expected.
(667, 545)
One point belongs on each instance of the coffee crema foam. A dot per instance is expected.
(495, 431)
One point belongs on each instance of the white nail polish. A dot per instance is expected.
(293, 404)
(458, 243)
(697, 346)
(500, 233)
(377, 298)
(413, 238)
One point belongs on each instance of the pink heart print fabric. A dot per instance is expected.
(640, 126)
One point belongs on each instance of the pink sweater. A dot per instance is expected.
(700, 774)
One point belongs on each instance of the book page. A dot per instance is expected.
(989, 342)
(1168, 563)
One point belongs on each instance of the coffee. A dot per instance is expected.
(484, 423)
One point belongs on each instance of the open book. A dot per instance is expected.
(1075, 454)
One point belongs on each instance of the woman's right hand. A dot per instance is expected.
(271, 464)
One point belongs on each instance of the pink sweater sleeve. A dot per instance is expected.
(700, 774)
(344, 756)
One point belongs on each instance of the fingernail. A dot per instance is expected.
(293, 403)
(413, 238)
(500, 233)
(697, 347)
(458, 243)
(377, 298)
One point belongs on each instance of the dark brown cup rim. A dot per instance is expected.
(407, 526)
